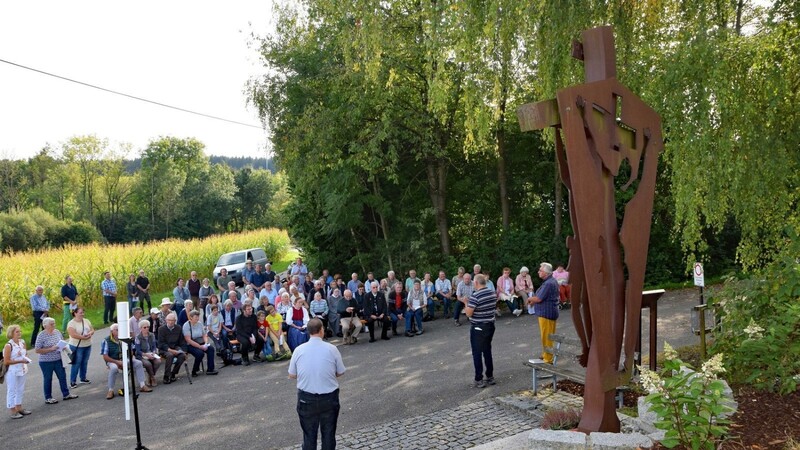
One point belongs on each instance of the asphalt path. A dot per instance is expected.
(254, 407)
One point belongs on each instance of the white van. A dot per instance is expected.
(234, 262)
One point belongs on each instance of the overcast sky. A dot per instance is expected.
(189, 54)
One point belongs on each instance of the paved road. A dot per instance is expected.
(254, 407)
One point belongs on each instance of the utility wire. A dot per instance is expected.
(129, 96)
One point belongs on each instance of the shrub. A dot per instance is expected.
(561, 419)
(689, 405)
(760, 325)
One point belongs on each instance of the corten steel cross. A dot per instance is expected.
(608, 131)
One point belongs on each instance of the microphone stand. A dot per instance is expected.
(134, 395)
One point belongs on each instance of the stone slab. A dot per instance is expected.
(556, 440)
(618, 441)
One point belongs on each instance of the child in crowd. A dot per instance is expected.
(277, 335)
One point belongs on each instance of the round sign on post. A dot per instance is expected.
(699, 280)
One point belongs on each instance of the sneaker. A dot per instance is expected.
(73, 385)
(270, 358)
(25, 412)
(17, 416)
(109, 395)
(490, 381)
(84, 382)
(211, 372)
(371, 340)
(121, 392)
(479, 384)
(145, 389)
(497, 312)
(194, 374)
(167, 380)
(70, 397)
(458, 324)
(246, 362)
(52, 401)
(386, 338)
(420, 332)
(517, 312)
(366, 330)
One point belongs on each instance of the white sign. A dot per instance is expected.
(699, 279)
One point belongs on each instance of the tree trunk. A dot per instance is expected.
(384, 227)
(502, 179)
(437, 189)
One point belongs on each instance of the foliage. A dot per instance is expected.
(760, 323)
(36, 228)
(561, 419)
(163, 261)
(690, 405)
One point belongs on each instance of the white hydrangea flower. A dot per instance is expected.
(650, 380)
(669, 352)
(753, 331)
(712, 367)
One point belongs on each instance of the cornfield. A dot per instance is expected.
(163, 262)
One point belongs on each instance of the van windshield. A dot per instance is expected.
(230, 258)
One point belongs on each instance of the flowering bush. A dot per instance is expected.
(689, 405)
(759, 329)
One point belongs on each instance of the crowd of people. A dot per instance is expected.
(267, 317)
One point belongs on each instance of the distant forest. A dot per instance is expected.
(235, 163)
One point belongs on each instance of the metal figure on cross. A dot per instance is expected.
(608, 131)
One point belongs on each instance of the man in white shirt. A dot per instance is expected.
(316, 365)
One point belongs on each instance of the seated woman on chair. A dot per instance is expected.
(147, 351)
(197, 343)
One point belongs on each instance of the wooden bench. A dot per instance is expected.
(567, 349)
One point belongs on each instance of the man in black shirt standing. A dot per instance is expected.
(143, 284)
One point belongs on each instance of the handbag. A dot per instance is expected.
(3, 369)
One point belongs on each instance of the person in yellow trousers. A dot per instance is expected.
(545, 307)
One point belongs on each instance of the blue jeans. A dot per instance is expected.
(395, 319)
(318, 412)
(446, 301)
(480, 339)
(431, 308)
(48, 367)
(81, 362)
(411, 315)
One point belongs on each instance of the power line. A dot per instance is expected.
(130, 96)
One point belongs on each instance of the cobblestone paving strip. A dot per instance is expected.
(457, 428)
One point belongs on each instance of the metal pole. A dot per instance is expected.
(135, 396)
(702, 311)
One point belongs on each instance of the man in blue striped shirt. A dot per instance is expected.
(545, 306)
(480, 309)
(41, 308)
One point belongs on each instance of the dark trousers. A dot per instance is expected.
(145, 297)
(247, 346)
(457, 310)
(198, 357)
(480, 339)
(384, 331)
(108, 312)
(318, 412)
(37, 325)
(169, 367)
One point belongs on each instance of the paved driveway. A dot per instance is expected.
(254, 407)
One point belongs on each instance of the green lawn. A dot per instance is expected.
(96, 315)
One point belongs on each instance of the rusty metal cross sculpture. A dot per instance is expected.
(608, 131)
